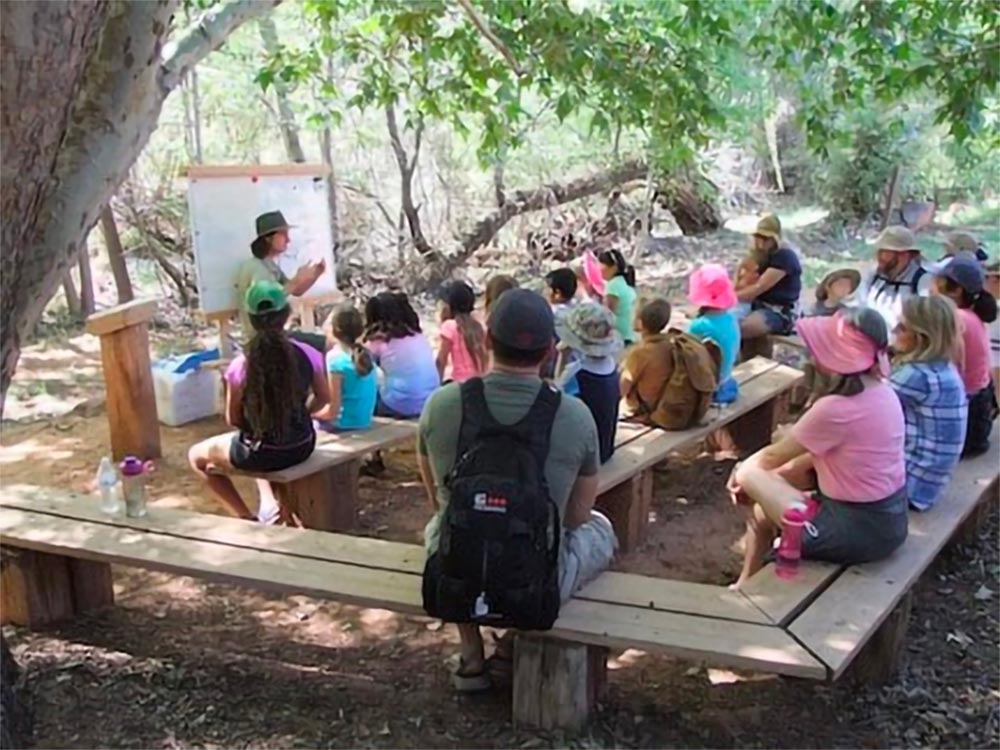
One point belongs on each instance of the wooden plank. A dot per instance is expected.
(794, 341)
(782, 600)
(613, 588)
(839, 622)
(720, 642)
(194, 171)
(37, 588)
(654, 446)
(665, 595)
(121, 316)
(741, 645)
(342, 447)
(352, 584)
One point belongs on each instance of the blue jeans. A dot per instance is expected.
(780, 321)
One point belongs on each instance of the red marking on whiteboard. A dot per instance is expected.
(253, 179)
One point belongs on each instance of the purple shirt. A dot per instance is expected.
(236, 373)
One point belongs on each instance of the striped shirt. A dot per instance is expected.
(936, 411)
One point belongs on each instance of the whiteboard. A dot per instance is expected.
(223, 203)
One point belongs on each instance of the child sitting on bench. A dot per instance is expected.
(710, 289)
(270, 392)
(463, 338)
(350, 373)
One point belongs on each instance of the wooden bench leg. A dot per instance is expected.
(753, 430)
(556, 683)
(879, 659)
(326, 500)
(39, 588)
(627, 506)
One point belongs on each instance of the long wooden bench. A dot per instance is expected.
(322, 491)
(58, 549)
(625, 483)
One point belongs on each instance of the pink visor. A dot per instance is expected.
(839, 347)
(709, 286)
(592, 272)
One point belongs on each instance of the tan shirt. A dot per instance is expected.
(649, 363)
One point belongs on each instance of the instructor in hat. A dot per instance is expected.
(899, 274)
(272, 240)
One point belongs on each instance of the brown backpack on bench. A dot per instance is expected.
(688, 390)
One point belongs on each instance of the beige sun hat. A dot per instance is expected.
(960, 242)
(769, 226)
(897, 239)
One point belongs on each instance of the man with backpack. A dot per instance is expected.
(898, 275)
(510, 467)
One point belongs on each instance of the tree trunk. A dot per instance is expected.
(522, 201)
(77, 105)
(692, 203)
(326, 154)
(72, 297)
(116, 255)
(289, 130)
(407, 167)
(86, 283)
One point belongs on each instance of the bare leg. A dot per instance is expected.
(473, 656)
(211, 453)
(758, 540)
(754, 326)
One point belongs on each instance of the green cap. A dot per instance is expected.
(266, 296)
(769, 226)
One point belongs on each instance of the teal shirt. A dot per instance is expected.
(625, 314)
(357, 392)
(724, 330)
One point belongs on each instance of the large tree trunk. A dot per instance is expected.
(82, 90)
(692, 203)
(522, 201)
(407, 167)
(289, 130)
(116, 255)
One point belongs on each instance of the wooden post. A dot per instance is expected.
(879, 659)
(627, 507)
(124, 333)
(556, 683)
(753, 430)
(39, 588)
(326, 500)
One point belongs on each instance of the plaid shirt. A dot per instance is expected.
(936, 410)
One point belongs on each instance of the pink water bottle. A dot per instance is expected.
(793, 521)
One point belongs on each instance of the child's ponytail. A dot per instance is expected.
(362, 359)
(984, 305)
(614, 257)
(347, 325)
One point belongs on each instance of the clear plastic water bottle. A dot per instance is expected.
(107, 484)
(793, 521)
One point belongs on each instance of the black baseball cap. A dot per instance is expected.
(522, 320)
(965, 271)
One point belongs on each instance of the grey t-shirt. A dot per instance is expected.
(572, 446)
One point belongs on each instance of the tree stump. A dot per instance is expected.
(556, 683)
(879, 659)
(124, 334)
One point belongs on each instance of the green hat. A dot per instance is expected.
(265, 297)
(769, 226)
(271, 222)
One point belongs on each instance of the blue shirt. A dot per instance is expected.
(724, 331)
(936, 411)
(787, 291)
(357, 392)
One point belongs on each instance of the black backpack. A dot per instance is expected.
(497, 561)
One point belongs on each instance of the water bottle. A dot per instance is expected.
(107, 483)
(793, 521)
(134, 485)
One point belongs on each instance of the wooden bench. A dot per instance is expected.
(322, 491)
(625, 483)
(58, 548)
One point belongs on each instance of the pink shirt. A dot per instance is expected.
(974, 359)
(857, 444)
(463, 366)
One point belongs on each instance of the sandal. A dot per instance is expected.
(465, 680)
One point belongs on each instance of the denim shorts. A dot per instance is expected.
(853, 533)
(780, 320)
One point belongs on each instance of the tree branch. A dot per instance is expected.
(210, 33)
(480, 23)
(397, 144)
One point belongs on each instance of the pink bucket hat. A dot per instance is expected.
(837, 346)
(710, 286)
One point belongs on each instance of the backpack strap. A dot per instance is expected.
(476, 415)
(918, 274)
(535, 428)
